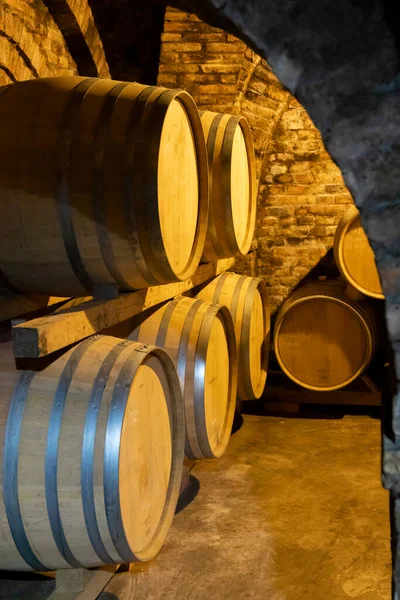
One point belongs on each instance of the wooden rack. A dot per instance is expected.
(69, 321)
(39, 337)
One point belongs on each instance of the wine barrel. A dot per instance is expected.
(232, 172)
(200, 339)
(323, 340)
(247, 300)
(92, 456)
(101, 182)
(354, 255)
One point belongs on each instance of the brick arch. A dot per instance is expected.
(30, 44)
(301, 193)
(75, 20)
(16, 66)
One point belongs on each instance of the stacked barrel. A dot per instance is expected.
(326, 332)
(106, 183)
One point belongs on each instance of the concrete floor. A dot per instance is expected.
(293, 511)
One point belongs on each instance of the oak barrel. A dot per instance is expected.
(92, 456)
(101, 182)
(323, 340)
(200, 339)
(354, 255)
(232, 173)
(247, 300)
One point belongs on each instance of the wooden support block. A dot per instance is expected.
(353, 294)
(82, 584)
(40, 337)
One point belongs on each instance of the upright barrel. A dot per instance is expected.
(323, 340)
(101, 182)
(200, 339)
(354, 255)
(247, 300)
(92, 451)
(232, 172)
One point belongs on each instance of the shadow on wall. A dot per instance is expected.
(131, 36)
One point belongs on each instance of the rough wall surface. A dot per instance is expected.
(31, 44)
(46, 38)
(130, 31)
(301, 191)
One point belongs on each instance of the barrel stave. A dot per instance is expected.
(184, 327)
(247, 300)
(354, 255)
(92, 192)
(231, 163)
(69, 438)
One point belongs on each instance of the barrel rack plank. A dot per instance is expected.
(14, 305)
(42, 336)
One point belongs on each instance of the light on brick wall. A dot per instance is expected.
(301, 193)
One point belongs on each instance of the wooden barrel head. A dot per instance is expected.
(178, 188)
(200, 339)
(240, 186)
(231, 162)
(247, 300)
(354, 255)
(359, 260)
(216, 384)
(97, 439)
(145, 456)
(257, 345)
(322, 343)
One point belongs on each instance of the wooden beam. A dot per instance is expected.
(14, 305)
(42, 336)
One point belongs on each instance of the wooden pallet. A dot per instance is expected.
(39, 337)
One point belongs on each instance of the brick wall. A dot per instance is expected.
(301, 193)
(31, 45)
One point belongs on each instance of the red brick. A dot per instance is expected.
(171, 37)
(195, 36)
(217, 89)
(228, 48)
(228, 78)
(180, 47)
(220, 68)
(182, 68)
(166, 79)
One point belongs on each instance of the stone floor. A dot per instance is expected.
(293, 511)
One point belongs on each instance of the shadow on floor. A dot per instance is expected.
(309, 411)
(189, 494)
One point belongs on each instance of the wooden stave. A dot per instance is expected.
(222, 243)
(212, 293)
(196, 443)
(342, 228)
(112, 530)
(336, 291)
(152, 269)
